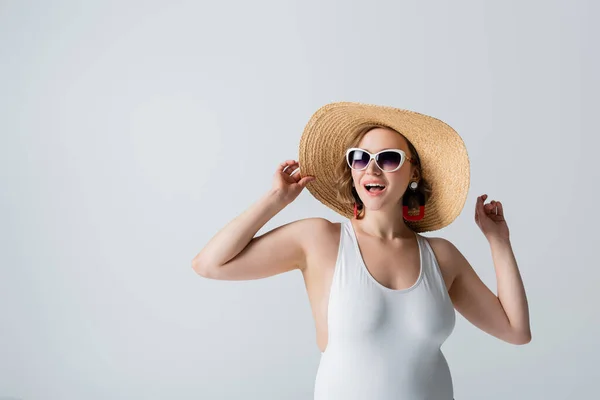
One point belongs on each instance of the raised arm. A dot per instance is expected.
(235, 254)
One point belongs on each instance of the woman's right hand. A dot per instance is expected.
(287, 182)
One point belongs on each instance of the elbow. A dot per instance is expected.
(197, 267)
(522, 339)
(526, 339)
(201, 269)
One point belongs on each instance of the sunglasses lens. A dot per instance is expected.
(388, 160)
(358, 159)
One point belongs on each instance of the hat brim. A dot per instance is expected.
(442, 152)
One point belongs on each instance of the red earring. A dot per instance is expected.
(355, 210)
(409, 201)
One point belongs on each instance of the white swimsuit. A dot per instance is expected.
(384, 344)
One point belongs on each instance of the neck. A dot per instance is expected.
(384, 224)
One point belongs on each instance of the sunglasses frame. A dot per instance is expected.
(403, 157)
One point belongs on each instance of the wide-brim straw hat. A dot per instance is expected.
(442, 152)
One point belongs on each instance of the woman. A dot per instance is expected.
(382, 295)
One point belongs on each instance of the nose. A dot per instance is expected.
(372, 167)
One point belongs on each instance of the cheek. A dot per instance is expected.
(398, 185)
(355, 179)
(399, 180)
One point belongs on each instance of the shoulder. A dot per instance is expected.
(445, 253)
(308, 230)
(317, 236)
(318, 224)
(317, 229)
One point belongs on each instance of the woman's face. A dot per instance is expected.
(395, 182)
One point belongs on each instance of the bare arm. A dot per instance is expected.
(478, 304)
(235, 254)
(505, 316)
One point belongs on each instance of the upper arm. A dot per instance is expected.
(471, 297)
(282, 249)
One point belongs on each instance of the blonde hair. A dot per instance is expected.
(346, 193)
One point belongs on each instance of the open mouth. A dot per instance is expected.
(374, 188)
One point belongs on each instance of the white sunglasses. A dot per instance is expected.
(388, 160)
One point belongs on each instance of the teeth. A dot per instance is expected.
(374, 184)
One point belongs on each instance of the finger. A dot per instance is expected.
(484, 209)
(284, 165)
(304, 181)
(479, 216)
(500, 209)
(480, 206)
(297, 177)
(490, 207)
(479, 210)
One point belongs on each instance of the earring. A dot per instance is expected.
(357, 201)
(408, 201)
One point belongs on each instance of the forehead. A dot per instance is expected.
(382, 138)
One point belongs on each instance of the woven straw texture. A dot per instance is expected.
(443, 155)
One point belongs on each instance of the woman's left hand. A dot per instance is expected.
(490, 219)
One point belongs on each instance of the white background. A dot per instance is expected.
(131, 132)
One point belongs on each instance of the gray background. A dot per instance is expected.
(132, 132)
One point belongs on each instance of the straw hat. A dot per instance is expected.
(442, 152)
